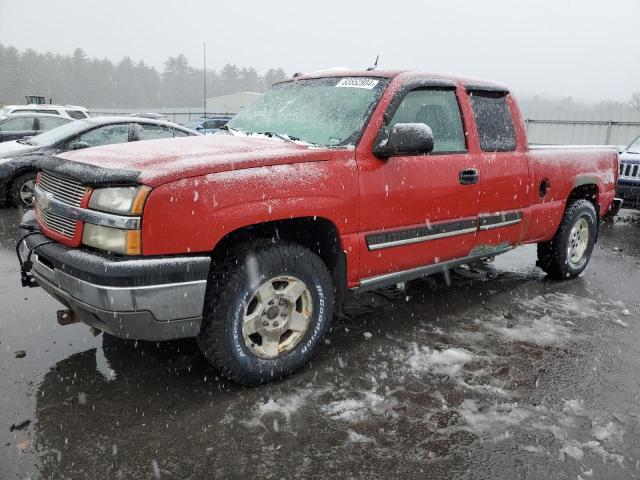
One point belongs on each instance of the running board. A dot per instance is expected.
(373, 283)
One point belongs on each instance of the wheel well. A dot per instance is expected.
(317, 234)
(586, 192)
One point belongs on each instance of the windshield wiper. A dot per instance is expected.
(24, 142)
(281, 136)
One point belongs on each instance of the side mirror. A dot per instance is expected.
(80, 145)
(405, 139)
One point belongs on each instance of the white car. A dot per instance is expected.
(68, 111)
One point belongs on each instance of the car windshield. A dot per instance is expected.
(635, 146)
(59, 134)
(325, 111)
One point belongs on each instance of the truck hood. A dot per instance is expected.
(155, 162)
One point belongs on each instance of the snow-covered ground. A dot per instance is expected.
(496, 372)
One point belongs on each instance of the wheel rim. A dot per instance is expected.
(277, 316)
(26, 192)
(578, 241)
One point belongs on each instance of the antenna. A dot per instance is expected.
(375, 64)
(204, 54)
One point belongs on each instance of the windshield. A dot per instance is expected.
(325, 111)
(58, 134)
(634, 147)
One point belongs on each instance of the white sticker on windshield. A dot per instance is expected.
(367, 83)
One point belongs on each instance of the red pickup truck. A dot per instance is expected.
(250, 239)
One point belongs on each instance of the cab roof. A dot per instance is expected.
(468, 82)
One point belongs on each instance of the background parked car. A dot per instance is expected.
(208, 124)
(628, 187)
(18, 158)
(20, 125)
(69, 111)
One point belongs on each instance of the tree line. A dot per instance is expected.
(93, 82)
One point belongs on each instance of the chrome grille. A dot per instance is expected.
(64, 189)
(630, 171)
(63, 226)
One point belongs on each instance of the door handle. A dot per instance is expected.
(469, 176)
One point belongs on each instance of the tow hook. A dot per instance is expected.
(26, 278)
(66, 317)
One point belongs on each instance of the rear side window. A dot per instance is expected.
(21, 124)
(77, 114)
(494, 121)
(153, 132)
(47, 123)
(180, 133)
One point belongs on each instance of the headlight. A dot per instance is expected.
(122, 200)
(125, 242)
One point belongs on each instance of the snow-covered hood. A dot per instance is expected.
(162, 161)
(8, 149)
(624, 157)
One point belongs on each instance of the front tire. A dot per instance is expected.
(569, 252)
(266, 311)
(22, 188)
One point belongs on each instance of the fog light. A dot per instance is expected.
(116, 240)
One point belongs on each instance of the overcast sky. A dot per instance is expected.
(589, 49)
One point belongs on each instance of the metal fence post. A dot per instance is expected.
(606, 140)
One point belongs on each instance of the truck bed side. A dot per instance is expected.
(567, 172)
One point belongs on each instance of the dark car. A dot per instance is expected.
(18, 158)
(628, 187)
(20, 125)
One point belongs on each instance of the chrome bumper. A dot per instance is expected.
(150, 312)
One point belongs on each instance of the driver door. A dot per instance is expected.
(419, 210)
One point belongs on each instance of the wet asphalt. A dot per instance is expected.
(492, 371)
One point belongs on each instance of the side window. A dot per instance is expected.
(17, 125)
(53, 112)
(47, 123)
(76, 114)
(437, 108)
(180, 133)
(152, 132)
(494, 121)
(106, 135)
(209, 125)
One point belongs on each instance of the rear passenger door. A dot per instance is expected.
(503, 168)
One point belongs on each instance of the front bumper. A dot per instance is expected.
(630, 193)
(143, 299)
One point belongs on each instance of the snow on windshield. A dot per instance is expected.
(325, 111)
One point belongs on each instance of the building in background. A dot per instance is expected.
(231, 103)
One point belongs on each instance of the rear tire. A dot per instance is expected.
(568, 253)
(21, 191)
(266, 311)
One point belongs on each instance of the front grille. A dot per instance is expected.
(630, 171)
(61, 225)
(63, 189)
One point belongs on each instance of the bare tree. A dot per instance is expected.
(77, 79)
(634, 101)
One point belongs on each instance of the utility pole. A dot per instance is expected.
(205, 79)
